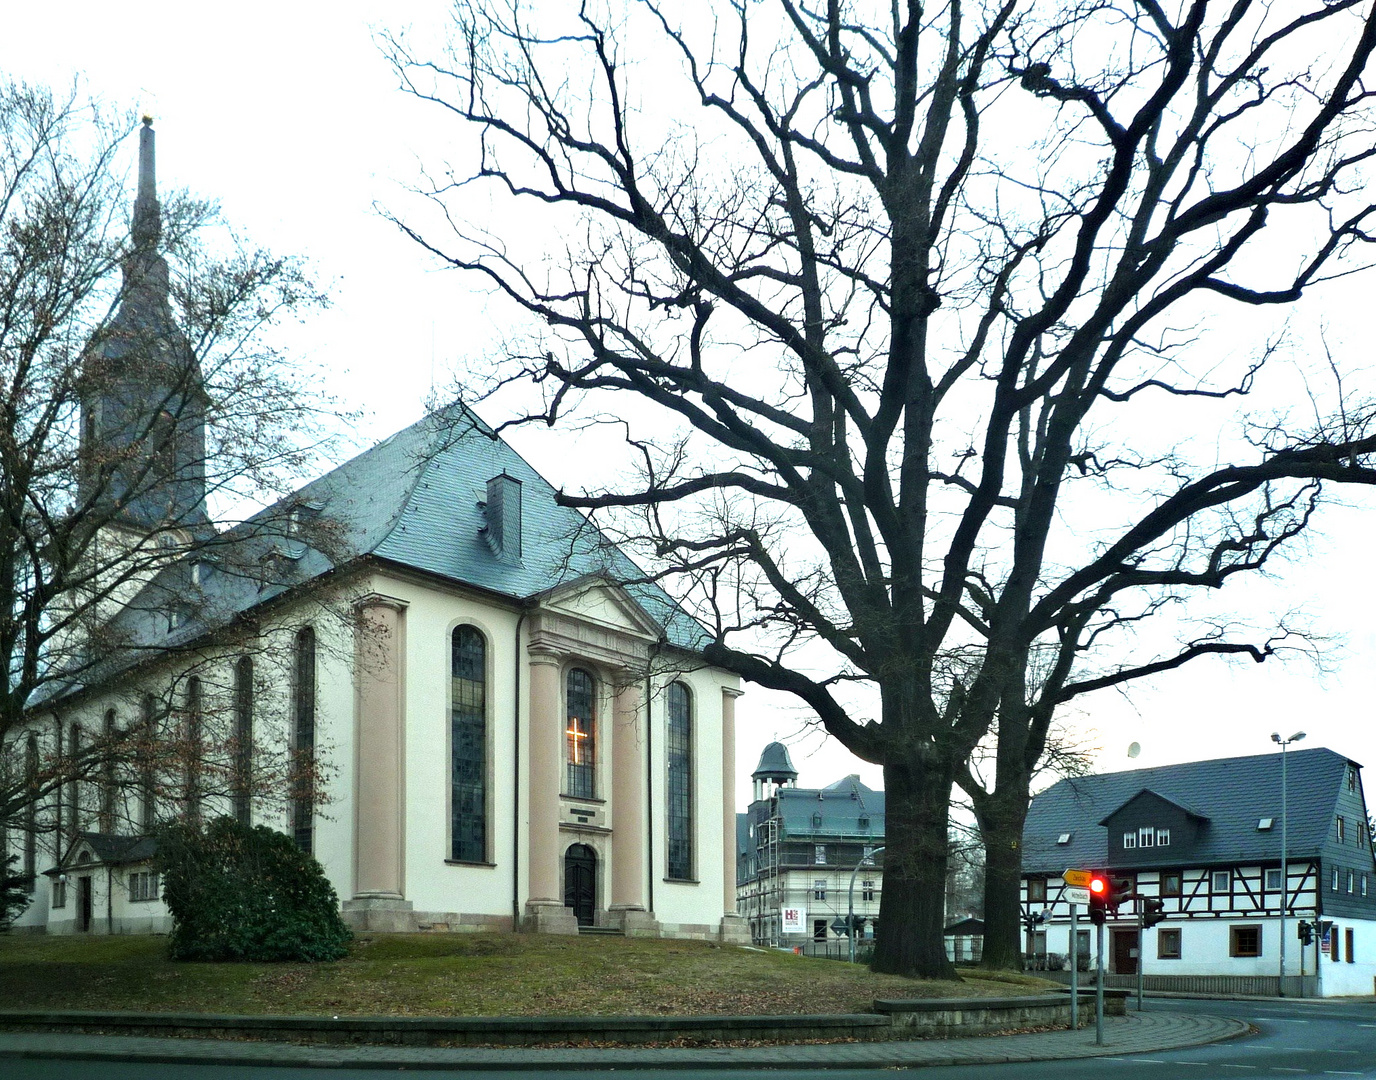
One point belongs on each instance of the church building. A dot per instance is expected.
(508, 726)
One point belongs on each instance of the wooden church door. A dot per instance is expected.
(580, 882)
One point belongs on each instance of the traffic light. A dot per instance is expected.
(1098, 898)
(1306, 932)
(1153, 911)
(1120, 891)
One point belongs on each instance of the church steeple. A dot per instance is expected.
(142, 396)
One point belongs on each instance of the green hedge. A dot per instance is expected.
(241, 893)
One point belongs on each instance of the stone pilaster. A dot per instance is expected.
(379, 901)
(545, 910)
(629, 726)
(734, 929)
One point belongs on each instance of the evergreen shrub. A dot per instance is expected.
(247, 893)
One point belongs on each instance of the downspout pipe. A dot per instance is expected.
(516, 780)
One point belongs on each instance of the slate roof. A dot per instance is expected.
(110, 849)
(1231, 793)
(775, 764)
(841, 806)
(415, 500)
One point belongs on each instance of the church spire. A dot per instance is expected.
(143, 396)
(147, 213)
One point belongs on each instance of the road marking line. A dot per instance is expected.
(1282, 1068)
(1367, 1025)
(1230, 1065)
(1329, 1072)
(1285, 1020)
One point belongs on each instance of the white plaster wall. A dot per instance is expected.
(678, 903)
(433, 883)
(1339, 978)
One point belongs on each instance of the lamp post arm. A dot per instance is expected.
(850, 900)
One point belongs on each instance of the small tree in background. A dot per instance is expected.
(241, 893)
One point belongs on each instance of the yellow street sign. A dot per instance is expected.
(1078, 877)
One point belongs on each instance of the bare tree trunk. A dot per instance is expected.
(1001, 827)
(911, 909)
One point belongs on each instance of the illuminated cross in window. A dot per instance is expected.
(574, 745)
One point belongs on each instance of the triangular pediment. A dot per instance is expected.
(603, 603)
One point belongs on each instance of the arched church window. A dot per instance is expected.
(243, 740)
(580, 734)
(679, 789)
(468, 745)
(193, 749)
(74, 786)
(303, 723)
(107, 774)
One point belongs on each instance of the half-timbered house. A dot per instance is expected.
(1205, 838)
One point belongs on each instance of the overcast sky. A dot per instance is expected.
(287, 114)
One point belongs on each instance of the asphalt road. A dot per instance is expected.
(1295, 1039)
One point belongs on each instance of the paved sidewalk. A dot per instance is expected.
(1137, 1033)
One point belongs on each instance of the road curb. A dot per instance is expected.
(1127, 1036)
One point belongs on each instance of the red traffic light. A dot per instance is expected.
(1098, 885)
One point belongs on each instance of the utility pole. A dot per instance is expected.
(1284, 851)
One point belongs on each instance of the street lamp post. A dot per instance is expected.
(1284, 849)
(868, 860)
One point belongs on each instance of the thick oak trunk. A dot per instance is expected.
(912, 907)
(1001, 828)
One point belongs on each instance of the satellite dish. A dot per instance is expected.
(1134, 749)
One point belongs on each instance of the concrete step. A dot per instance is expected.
(602, 931)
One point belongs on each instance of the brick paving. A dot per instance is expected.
(1137, 1033)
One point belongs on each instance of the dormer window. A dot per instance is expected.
(863, 823)
(1163, 838)
(1146, 836)
(178, 615)
(200, 573)
(1341, 830)
(1064, 838)
(1129, 840)
(1265, 824)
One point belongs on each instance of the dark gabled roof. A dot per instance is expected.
(414, 500)
(966, 928)
(108, 849)
(1148, 791)
(1233, 794)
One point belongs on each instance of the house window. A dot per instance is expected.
(143, 885)
(819, 889)
(1163, 838)
(1146, 836)
(580, 734)
(1244, 941)
(1333, 880)
(867, 889)
(1168, 944)
(819, 929)
(1348, 940)
(1340, 829)
(303, 724)
(1273, 880)
(1351, 778)
(468, 745)
(819, 854)
(862, 823)
(243, 740)
(1333, 945)
(59, 893)
(679, 791)
(1352, 881)
(1363, 884)
(191, 733)
(1222, 881)
(1171, 881)
(1036, 890)
(1129, 840)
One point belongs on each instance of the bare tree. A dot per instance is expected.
(911, 301)
(146, 418)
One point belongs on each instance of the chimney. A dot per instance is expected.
(503, 509)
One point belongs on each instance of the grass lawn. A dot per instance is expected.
(459, 975)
